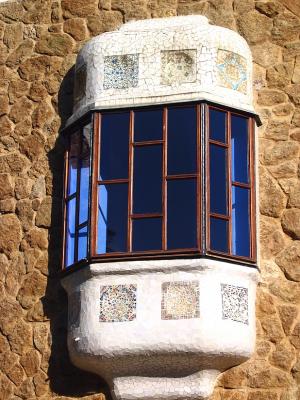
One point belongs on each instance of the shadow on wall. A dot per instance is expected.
(65, 379)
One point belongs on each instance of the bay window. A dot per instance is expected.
(164, 181)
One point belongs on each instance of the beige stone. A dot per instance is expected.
(277, 130)
(6, 186)
(272, 328)
(39, 188)
(43, 217)
(294, 199)
(10, 313)
(286, 169)
(285, 28)
(264, 376)
(286, 291)
(7, 206)
(13, 35)
(10, 233)
(80, 8)
(283, 110)
(294, 93)
(13, 163)
(6, 387)
(43, 114)
(280, 75)
(220, 12)
(7, 360)
(40, 381)
(21, 109)
(37, 237)
(296, 119)
(263, 395)
(289, 259)
(288, 315)
(291, 224)
(4, 105)
(17, 88)
(32, 289)
(37, 11)
(21, 53)
(269, 8)
(291, 50)
(41, 336)
(22, 188)
(25, 213)
(16, 374)
(30, 361)
(295, 134)
(106, 21)
(76, 27)
(26, 389)
(135, 9)
(271, 237)
(272, 200)
(296, 372)
(270, 97)
(36, 313)
(248, 23)
(55, 44)
(280, 151)
(20, 338)
(263, 348)
(295, 337)
(35, 68)
(264, 304)
(233, 378)
(283, 356)
(6, 126)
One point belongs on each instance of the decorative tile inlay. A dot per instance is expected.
(80, 83)
(180, 300)
(232, 70)
(117, 303)
(178, 66)
(74, 309)
(235, 303)
(121, 72)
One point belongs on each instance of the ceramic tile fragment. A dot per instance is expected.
(121, 71)
(178, 66)
(180, 300)
(235, 303)
(117, 303)
(232, 70)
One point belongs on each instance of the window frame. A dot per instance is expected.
(202, 187)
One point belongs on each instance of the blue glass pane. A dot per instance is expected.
(182, 140)
(146, 234)
(182, 214)
(112, 218)
(70, 232)
(217, 125)
(218, 178)
(240, 221)
(114, 146)
(82, 243)
(147, 179)
(219, 235)
(148, 125)
(84, 190)
(73, 162)
(239, 149)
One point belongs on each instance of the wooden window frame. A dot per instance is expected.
(202, 187)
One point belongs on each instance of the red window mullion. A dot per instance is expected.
(130, 183)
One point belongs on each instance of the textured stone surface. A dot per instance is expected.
(31, 81)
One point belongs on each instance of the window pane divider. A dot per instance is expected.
(146, 215)
(130, 178)
(241, 184)
(112, 181)
(251, 146)
(95, 171)
(82, 225)
(78, 196)
(71, 196)
(182, 176)
(164, 180)
(226, 145)
(147, 143)
(229, 181)
(220, 216)
(198, 161)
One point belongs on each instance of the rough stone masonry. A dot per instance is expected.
(39, 43)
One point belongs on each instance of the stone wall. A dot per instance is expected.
(40, 40)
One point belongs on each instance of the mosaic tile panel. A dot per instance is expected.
(232, 70)
(178, 66)
(121, 71)
(117, 303)
(74, 310)
(235, 303)
(180, 300)
(80, 83)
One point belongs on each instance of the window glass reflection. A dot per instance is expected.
(182, 140)
(218, 179)
(112, 218)
(70, 232)
(147, 179)
(146, 234)
(239, 149)
(182, 214)
(82, 243)
(240, 221)
(219, 235)
(114, 146)
(73, 162)
(217, 125)
(148, 125)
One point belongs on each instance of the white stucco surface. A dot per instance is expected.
(166, 60)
